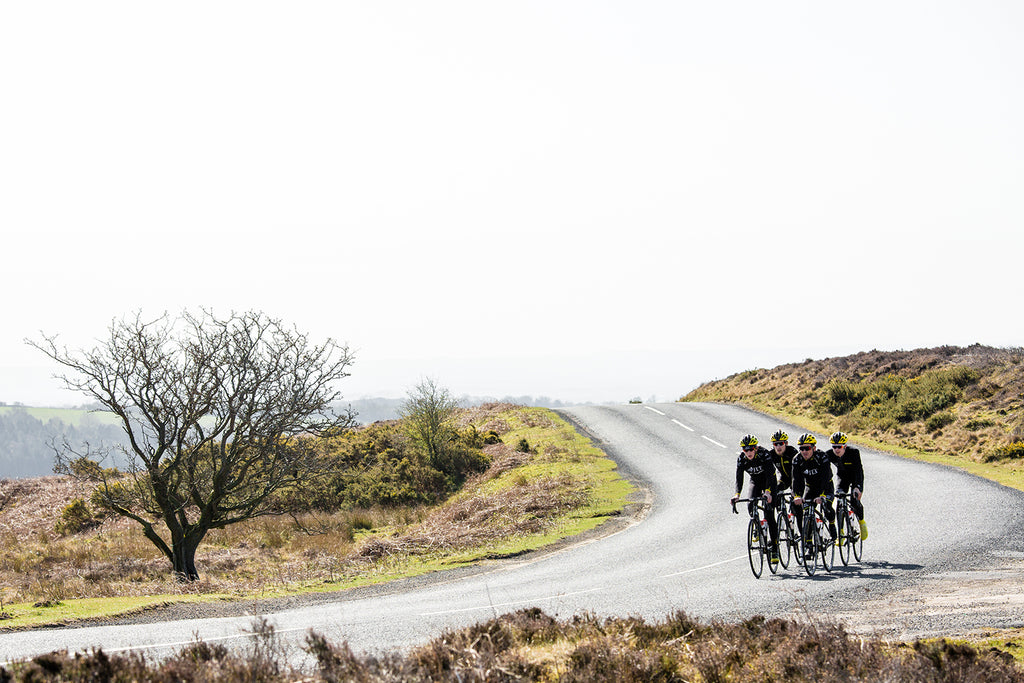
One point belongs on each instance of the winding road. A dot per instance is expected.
(686, 552)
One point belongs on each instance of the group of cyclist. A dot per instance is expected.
(806, 470)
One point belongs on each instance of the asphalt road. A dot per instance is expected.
(686, 553)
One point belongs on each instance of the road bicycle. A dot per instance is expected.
(789, 531)
(816, 542)
(758, 541)
(849, 539)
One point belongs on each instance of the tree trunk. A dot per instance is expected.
(184, 556)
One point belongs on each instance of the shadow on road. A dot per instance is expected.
(877, 569)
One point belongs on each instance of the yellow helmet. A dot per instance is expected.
(838, 438)
(748, 440)
(807, 440)
(780, 436)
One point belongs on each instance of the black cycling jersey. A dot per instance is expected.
(849, 468)
(761, 469)
(812, 474)
(784, 465)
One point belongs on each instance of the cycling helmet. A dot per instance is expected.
(780, 436)
(748, 440)
(807, 440)
(838, 439)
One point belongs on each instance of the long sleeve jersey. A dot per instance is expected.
(849, 467)
(761, 469)
(784, 464)
(814, 473)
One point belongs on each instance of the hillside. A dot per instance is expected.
(964, 403)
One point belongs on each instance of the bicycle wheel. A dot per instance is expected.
(793, 529)
(858, 545)
(766, 549)
(808, 545)
(845, 534)
(754, 552)
(827, 547)
(785, 549)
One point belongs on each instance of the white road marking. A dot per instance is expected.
(708, 438)
(707, 566)
(654, 410)
(682, 425)
(509, 604)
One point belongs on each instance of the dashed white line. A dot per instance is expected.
(707, 566)
(655, 410)
(708, 438)
(682, 425)
(509, 604)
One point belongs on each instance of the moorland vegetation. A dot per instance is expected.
(961, 406)
(529, 645)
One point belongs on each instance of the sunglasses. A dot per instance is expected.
(837, 446)
(750, 448)
(779, 443)
(807, 448)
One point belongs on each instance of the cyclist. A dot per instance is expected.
(851, 475)
(812, 478)
(757, 462)
(783, 455)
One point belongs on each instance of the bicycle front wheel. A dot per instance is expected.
(754, 551)
(845, 534)
(858, 545)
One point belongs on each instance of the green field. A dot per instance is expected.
(71, 416)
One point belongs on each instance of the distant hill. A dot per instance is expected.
(26, 433)
(966, 402)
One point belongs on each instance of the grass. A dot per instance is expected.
(71, 416)
(49, 613)
(960, 407)
(1008, 473)
(525, 501)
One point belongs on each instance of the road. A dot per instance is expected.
(687, 553)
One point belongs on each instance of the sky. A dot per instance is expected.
(587, 201)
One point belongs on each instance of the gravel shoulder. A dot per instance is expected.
(977, 603)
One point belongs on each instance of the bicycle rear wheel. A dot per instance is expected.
(766, 549)
(785, 540)
(754, 551)
(827, 547)
(793, 529)
(808, 544)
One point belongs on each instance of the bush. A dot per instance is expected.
(76, 517)
(1011, 451)
(841, 397)
(939, 420)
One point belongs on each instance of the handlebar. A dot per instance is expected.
(744, 500)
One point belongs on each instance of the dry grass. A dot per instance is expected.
(529, 645)
(274, 554)
(990, 413)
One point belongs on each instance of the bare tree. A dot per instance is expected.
(429, 411)
(219, 414)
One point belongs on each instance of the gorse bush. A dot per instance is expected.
(894, 400)
(939, 420)
(75, 517)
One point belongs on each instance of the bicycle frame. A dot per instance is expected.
(757, 535)
(814, 527)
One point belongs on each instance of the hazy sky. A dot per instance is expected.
(583, 200)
